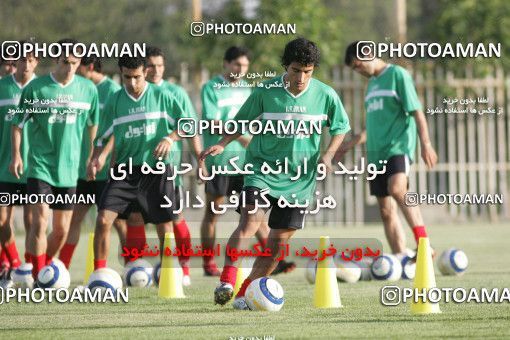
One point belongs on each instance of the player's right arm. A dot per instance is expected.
(356, 139)
(18, 122)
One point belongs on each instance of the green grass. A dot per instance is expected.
(362, 315)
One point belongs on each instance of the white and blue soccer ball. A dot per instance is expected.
(386, 267)
(54, 275)
(408, 265)
(310, 271)
(138, 273)
(453, 262)
(347, 271)
(156, 273)
(22, 276)
(104, 279)
(264, 294)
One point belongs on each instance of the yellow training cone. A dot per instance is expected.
(89, 265)
(243, 271)
(326, 293)
(424, 279)
(170, 277)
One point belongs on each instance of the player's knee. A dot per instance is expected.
(397, 191)
(102, 222)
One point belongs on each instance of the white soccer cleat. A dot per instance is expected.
(240, 304)
(223, 293)
(186, 281)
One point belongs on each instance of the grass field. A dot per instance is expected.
(362, 315)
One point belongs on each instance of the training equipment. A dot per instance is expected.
(310, 271)
(22, 276)
(170, 277)
(104, 279)
(326, 293)
(452, 262)
(89, 265)
(386, 267)
(365, 265)
(138, 273)
(54, 275)
(347, 271)
(408, 264)
(265, 294)
(424, 279)
(243, 271)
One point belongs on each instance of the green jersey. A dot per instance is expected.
(59, 115)
(389, 102)
(139, 124)
(185, 102)
(10, 93)
(105, 88)
(222, 103)
(318, 103)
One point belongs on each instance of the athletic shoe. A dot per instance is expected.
(211, 270)
(223, 293)
(186, 281)
(284, 267)
(240, 304)
(413, 259)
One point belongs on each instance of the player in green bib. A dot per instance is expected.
(90, 68)
(394, 121)
(141, 119)
(7, 67)
(10, 93)
(293, 96)
(155, 73)
(60, 105)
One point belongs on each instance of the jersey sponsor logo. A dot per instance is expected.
(57, 117)
(138, 109)
(295, 109)
(145, 129)
(375, 105)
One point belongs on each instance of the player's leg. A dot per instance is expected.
(162, 229)
(57, 237)
(182, 236)
(392, 226)
(8, 242)
(262, 235)
(208, 232)
(104, 223)
(135, 232)
(397, 187)
(78, 215)
(121, 226)
(37, 240)
(27, 220)
(240, 238)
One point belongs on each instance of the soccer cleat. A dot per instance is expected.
(240, 304)
(284, 267)
(211, 270)
(223, 293)
(186, 281)
(5, 272)
(413, 259)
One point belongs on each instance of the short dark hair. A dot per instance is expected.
(153, 51)
(351, 52)
(28, 42)
(132, 62)
(95, 61)
(302, 51)
(71, 41)
(234, 52)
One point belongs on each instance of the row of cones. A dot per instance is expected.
(170, 277)
(327, 295)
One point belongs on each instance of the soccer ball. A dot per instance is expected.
(365, 265)
(347, 271)
(310, 271)
(452, 262)
(105, 279)
(138, 274)
(22, 276)
(156, 272)
(54, 275)
(386, 267)
(264, 294)
(408, 266)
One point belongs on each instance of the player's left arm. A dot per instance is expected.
(428, 154)
(338, 123)
(411, 104)
(176, 112)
